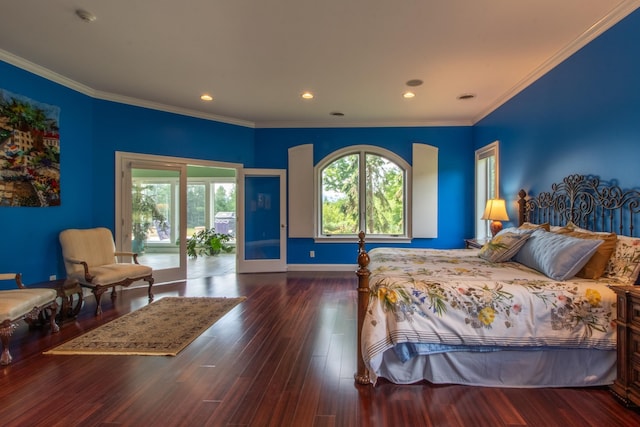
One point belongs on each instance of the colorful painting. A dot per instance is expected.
(29, 152)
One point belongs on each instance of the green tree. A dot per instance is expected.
(340, 196)
(224, 202)
(195, 205)
(384, 196)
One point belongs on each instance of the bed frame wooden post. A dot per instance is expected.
(362, 374)
(522, 206)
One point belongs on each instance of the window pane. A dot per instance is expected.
(486, 186)
(196, 207)
(384, 199)
(340, 198)
(224, 202)
(152, 216)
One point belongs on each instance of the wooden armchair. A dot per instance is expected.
(23, 303)
(90, 257)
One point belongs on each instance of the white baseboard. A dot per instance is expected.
(322, 267)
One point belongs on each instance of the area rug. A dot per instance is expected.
(162, 328)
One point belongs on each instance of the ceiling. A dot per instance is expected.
(256, 57)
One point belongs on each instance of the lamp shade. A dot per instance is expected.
(496, 210)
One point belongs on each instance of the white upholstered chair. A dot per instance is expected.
(90, 257)
(23, 304)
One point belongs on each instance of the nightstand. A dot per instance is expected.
(627, 384)
(474, 243)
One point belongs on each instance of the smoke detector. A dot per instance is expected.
(85, 15)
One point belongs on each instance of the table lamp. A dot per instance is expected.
(495, 211)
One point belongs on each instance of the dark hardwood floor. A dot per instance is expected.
(284, 357)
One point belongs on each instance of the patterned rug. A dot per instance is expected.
(162, 328)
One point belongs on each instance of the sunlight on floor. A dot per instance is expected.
(218, 265)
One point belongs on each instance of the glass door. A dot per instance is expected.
(152, 221)
(262, 230)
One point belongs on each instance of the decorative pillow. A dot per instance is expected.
(555, 255)
(514, 230)
(594, 268)
(532, 226)
(624, 264)
(503, 247)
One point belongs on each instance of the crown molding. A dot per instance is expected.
(170, 109)
(613, 17)
(86, 90)
(355, 124)
(38, 70)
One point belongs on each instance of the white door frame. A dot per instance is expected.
(267, 265)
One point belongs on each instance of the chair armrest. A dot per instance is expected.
(134, 255)
(15, 276)
(88, 277)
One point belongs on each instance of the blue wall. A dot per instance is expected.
(91, 131)
(30, 235)
(582, 117)
(119, 127)
(455, 177)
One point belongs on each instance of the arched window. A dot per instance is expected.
(362, 188)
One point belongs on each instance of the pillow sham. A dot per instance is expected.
(514, 230)
(594, 268)
(624, 265)
(555, 255)
(503, 247)
(532, 226)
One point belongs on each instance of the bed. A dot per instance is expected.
(532, 308)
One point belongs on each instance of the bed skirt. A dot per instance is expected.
(515, 369)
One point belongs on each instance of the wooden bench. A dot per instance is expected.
(23, 304)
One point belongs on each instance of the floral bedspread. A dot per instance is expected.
(425, 301)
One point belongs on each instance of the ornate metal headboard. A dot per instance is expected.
(585, 201)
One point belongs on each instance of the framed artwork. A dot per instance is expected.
(29, 152)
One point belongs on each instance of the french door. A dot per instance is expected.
(262, 231)
(260, 223)
(152, 210)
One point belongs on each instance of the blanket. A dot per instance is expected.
(427, 301)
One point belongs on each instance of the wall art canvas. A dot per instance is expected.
(29, 152)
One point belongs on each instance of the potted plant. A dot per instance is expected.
(144, 211)
(208, 242)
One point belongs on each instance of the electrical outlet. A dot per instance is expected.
(312, 254)
(52, 277)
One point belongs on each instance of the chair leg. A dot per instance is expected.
(150, 280)
(5, 336)
(97, 293)
(6, 358)
(53, 310)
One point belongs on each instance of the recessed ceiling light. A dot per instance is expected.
(206, 97)
(465, 96)
(306, 95)
(414, 82)
(337, 113)
(408, 95)
(85, 15)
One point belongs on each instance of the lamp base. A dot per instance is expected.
(495, 228)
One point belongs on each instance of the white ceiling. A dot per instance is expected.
(257, 57)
